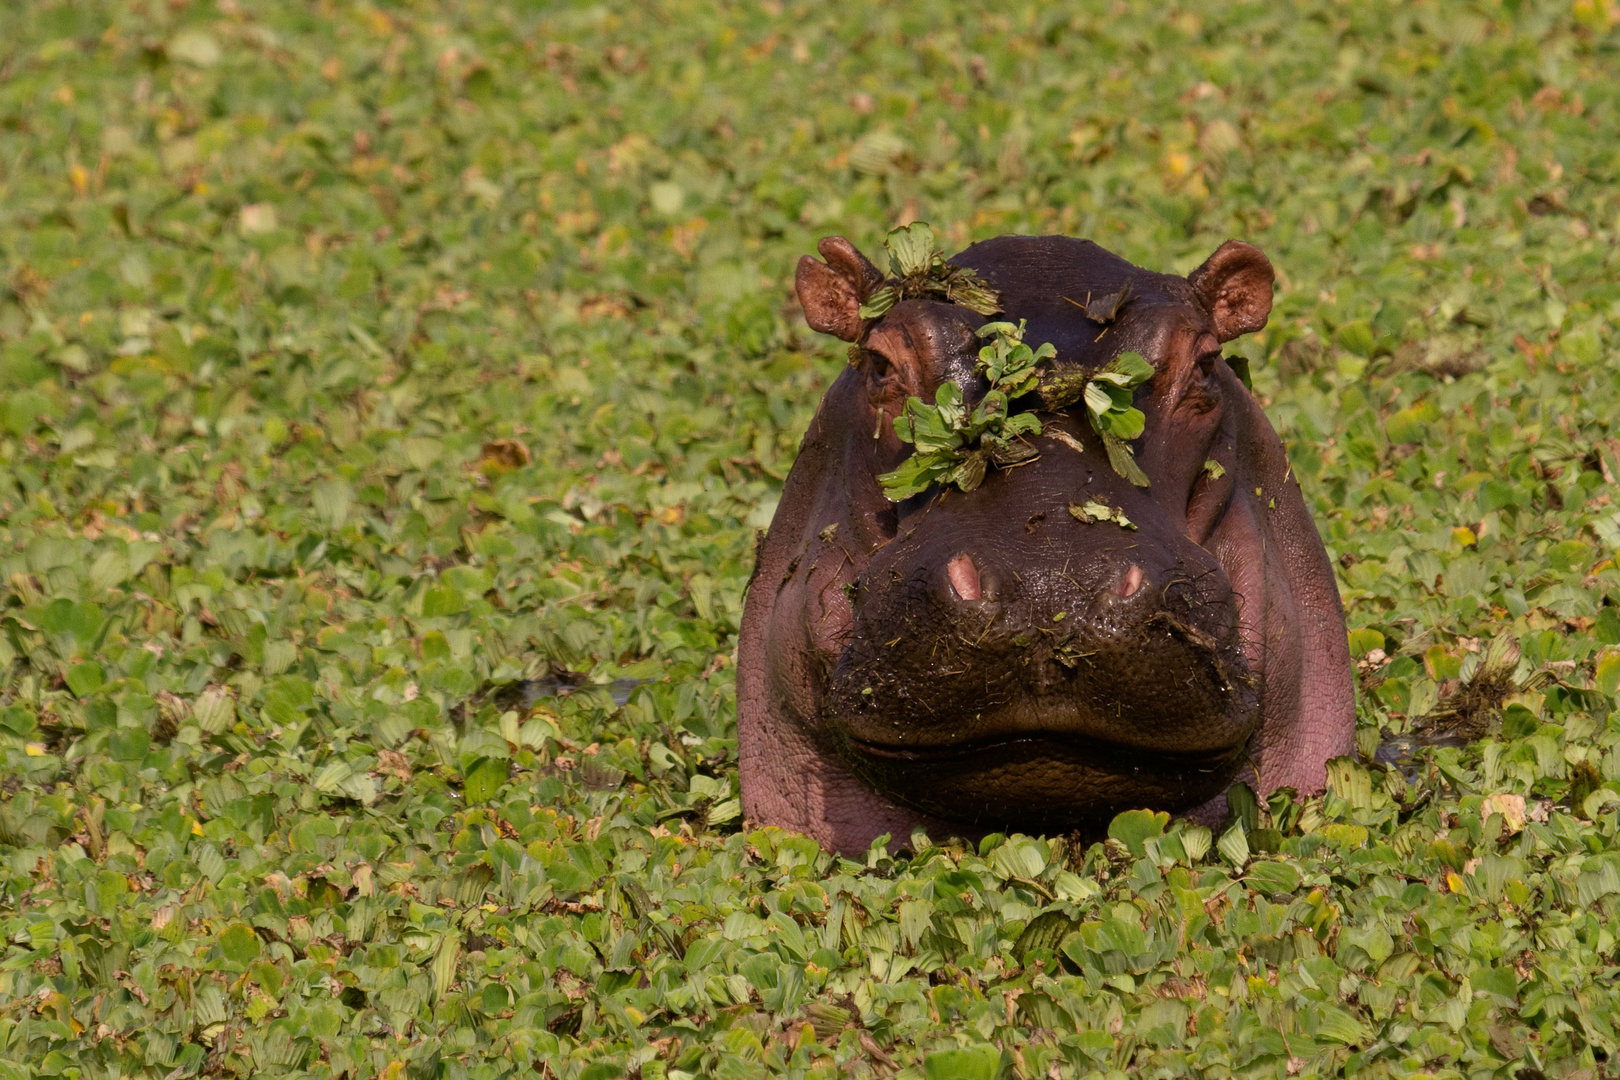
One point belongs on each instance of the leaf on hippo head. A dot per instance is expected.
(1105, 309)
(878, 304)
(912, 249)
(1011, 453)
(920, 271)
(970, 473)
(965, 288)
(1127, 369)
(1108, 397)
(956, 446)
(1126, 424)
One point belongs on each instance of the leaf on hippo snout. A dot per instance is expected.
(914, 475)
(1094, 511)
(1012, 453)
(1123, 461)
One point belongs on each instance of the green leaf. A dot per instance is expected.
(239, 943)
(1123, 461)
(443, 600)
(129, 744)
(969, 1063)
(1334, 1025)
(1126, 424)
(1607, 673)
(1133, 827)
(912, 249)
(1098, 400)
(1234, 846)
(955, 448)
(1364, 641)
(1195, 841)
(86, 678)
(484, 779)
(969, 473)
(1131, 365)
(1273, 877)
(1108, 395)
(878, 304)
(913, 476)
(1094, 511)
(446, 960)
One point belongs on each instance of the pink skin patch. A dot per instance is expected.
(1129, 583)
(964, 577)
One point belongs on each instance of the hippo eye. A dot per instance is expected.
(878, 367)
(1201, 392)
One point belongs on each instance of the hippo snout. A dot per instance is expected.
(1041, 664)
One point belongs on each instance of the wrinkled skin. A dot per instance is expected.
(967, 662)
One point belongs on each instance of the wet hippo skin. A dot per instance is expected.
(976, 661)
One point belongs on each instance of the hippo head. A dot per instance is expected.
(1004, 657)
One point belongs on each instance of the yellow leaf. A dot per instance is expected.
(35, 749)
(79, 177)
(1463, 536)
(1454, 883)
(196, 829)
(1511, 807)
(1607, 670)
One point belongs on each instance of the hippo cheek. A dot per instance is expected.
(1051, 675)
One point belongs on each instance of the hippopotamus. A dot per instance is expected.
(995, 659)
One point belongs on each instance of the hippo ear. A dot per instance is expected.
(1235, 285)
(832, 293)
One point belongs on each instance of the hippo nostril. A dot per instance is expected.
(1129, 583)
(964, 577)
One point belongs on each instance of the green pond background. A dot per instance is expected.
(367, 370)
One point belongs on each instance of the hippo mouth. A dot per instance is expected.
(1121, 757)
(1047, 781)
